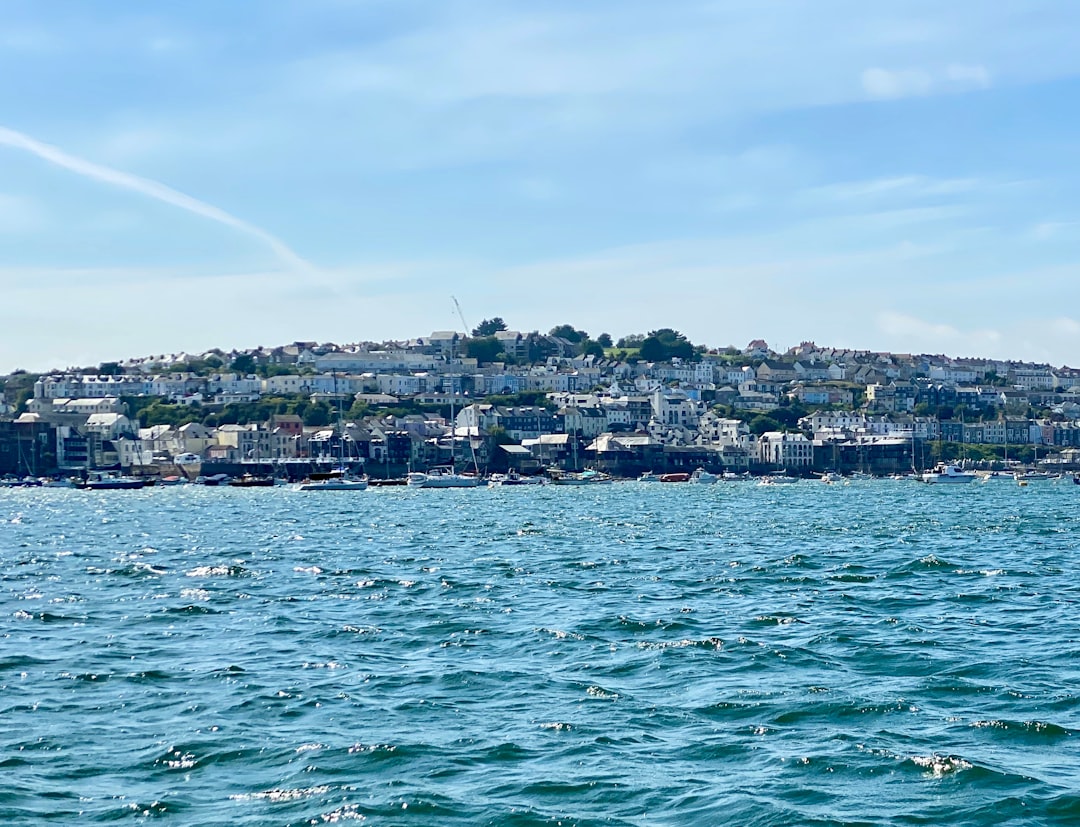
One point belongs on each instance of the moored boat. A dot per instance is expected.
(703, 477)
(944, 473)
(514, 478)
(777, 479)
(587, 477)
(252, 481)
(337, 480)
(112, 481)
(441, 476)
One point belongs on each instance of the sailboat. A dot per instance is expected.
(339, 479)
(444, 476)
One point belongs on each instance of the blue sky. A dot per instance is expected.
(896, 176)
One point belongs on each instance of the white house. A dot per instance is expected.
(785, 450)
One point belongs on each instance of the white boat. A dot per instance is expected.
(703, 477)
(62, 482)
(649, 476)
(339, 480)
(777, 479)
(513, 478)
(1032, 474)
(441, 476)
(831, 477)
(944, 473)
(587, 477)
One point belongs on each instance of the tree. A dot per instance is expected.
(110, 369)
(489, 327)
(761, 423)
(666, 344)
(652, 350)
(483, 349)
(568, 332)
(590, 348)
(244, 363)
(604, 340)
(317, 415)
(630, 342)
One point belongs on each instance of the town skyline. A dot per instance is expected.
(796, 350)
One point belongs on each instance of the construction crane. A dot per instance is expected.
(461, 316)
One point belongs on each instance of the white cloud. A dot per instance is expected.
(889, 84)
(152, 189)
(904, 83)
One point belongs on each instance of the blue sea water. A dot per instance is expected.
(873, 653)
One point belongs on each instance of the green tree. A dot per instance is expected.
(568, 332)
(489, 327)
(604, 340)
(761, 423)
(590, 348)
(652, 350)
(244, 363)
(666, 344)
(317, 415)
(483, 349)
(675, 343)
(110, 369)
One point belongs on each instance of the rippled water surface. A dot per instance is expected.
(878, 653)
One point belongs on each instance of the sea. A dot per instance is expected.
(878, 652)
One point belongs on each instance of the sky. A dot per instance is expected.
(894, 176)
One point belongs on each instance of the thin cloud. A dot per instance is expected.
(890, 84)
(152, 189)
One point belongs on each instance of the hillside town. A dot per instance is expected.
(501, 400)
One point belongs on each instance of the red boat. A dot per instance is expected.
(679, 477)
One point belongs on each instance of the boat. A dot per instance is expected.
(777, 479)
(681, 476)
(649, 476)
(441, 476)
(944, 473)
(379, 482)
(586, 477)
(703, 477)
(213, 479)
(514, 478)
(446, 476)
(831, 477)
(25, 482)
(252, 481)
(111, 481)
(336, 480)
(1032, 474)
(172, 479)
(58, 482)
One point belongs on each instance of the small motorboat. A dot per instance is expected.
(681, 476)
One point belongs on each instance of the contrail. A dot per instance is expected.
(151, 189)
